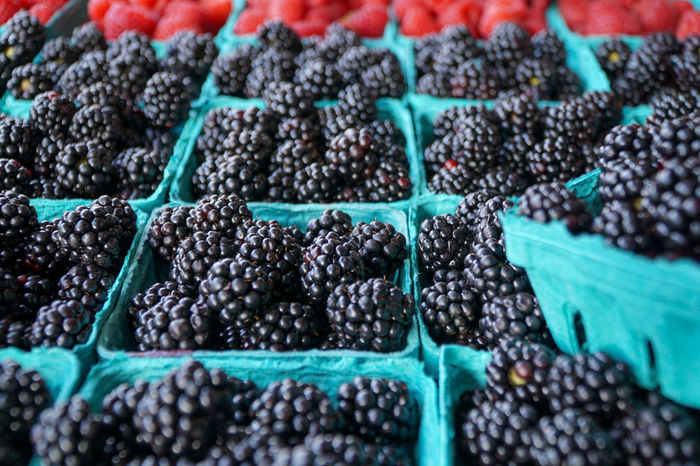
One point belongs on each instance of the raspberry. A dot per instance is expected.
(307, 28)
(611, 18)
(465, 12)
(249, 20)
(368, 21)
(688, 25)
(656, 15)
(215, 13)
(575, 12)
(326, 13)
(122, 17)
(173, 23)
(402, 6)
(43, 11)
(498, 12)
(287, 11)
(8, 9)
(418, 21)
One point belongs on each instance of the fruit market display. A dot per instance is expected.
(315, 232)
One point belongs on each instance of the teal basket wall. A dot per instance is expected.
(595, 297)
(116, 340)
(327, 375)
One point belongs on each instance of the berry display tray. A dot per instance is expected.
(597, 298)
(116, 341)
(327, 375)
(394, 110)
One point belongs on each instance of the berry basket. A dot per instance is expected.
(328, 376)
(640, 310)
(181, 189)
(117, 342)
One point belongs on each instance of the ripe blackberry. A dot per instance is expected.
(379, 409)
(299, 130)
(285, 326)
(289, 100)
(174, 323)
(63, 323)
(18, 140)
(679, 138)
(670, 201)
(517, 114)
(554, 159)
(85, 168)
(91, 68)
(97, 123)
(142, 302)
(319, 78)
(514, 316)
(118, 407)
(88, 38)
(18, 219)
(356, 60)
(87, 284)
(474, 80)
(316, 183)
(477, 143)
(231, 70)
(190, 54)
(545, 202)
(51, 113)
(457, 46)
(43, 255)
(605, 109)
(334, 122)
(35, 291)
(628, 141)
(330, 448)
(358, 100)
(381, 248)
(330, 221)
(507, 45)
(386, 78)
(60, 51)
(468, 208)
(436, 85)
(196, 254)
(221, 213)
(425, 50)
(353, 154)
(13, 176)
(498, 432)
(14, 332)
(623, 227)
(129, 71)
(28, 81)
(293, 155)
(570, 120)
(450, 310)
(280, 186)
(443, 243)
(121, 217)
(389, 183)
(327, 263)
(623, 179)
(491, 274)
(234, 175)
(684, 69)
(168, 230)
(612, 56)
(518, 370)
(277, 35)
(251, 145)
(547, 46)
(139, 172)
(22, 37)
(337, 41)
(166, 99)
(271, 65)
(535, 78)
(670, 104)
(484, 210)
(644, 74)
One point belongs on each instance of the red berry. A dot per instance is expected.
(97, 9)
(249, 20)
(173, 23)
(122, 17)
(656, 15)
(189, 8)
(501, 11)
(309, 27)
(681, 6)
(287, 11)
(465, 12)
(402, 6)
(326, 13)
(8, 8)
(575, 13)
(418, 21)
(44, 10)
(689, 24)
(216, 13)
(368, 21)
(612, 18)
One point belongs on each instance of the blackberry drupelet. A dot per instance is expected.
(88, 38)
(18, 219)
(316, 183)
(42, 253)
(285, 326)
(168, 230)
(51, 113)
(679, 138)
(28, 81)
(91, 68)
(196, 254)
(277, 35)
(231, 70)
(271, 65)
(623, 227)
(518, 370)
(491, 274)
(517, 114)
(628, 141)
(13, 176)
(450, 310)
(381, 248)
(94, 122)
(547, 47)
(87, 284)
(507, 45)
(139, 172)
(443, 243)
(328, 263)
(612, 56)
(555, 159)
(390, 182)
(545, 202)
(371, 315)
(330, 221)
(300, 130)
(288, 99)
(85, 167)
(535, 78)
(142, 302)
(514, 316)
(570, 120)
(434, 84)
(220, 213)
(230, 174)
(63, 323)
(358, 100)
(174, 323)
(623, 179)
(166, 99)
(190, 54)
(319, 78)
(379, 410)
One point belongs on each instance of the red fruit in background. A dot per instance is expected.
(44, 10)
(629, 4)
(681, 6)
(418, 21)
(402, 6)
(288, 11)
(534, 23)
(123, 17)
(465, 12)
(152, 4)
(368, 21)
(575, 13)
(326, 13)
(307, 27)
(216, 13)
(185, 7)
(173, 23)
(438, 6)
(257, 4)
(8, 8)
(97, 9)
(249, 20)
(656, 15)
(611, 18)
(500, 11)
(689, 24)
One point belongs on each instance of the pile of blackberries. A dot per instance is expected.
(538, 408)
(221, 419)
(517, 143)
(454, 64)
(236, 282)
(101, 116)
(293, 152)
(56, 275)
(320, 66)
(472, 295)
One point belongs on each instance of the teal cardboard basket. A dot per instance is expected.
(327, 375)
(117, 341)
(429, 206)
(598, 298)
(394, 110)
(459, 372)
(84, 353)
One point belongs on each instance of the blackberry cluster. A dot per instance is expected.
(221, 419)
(453, 64)
(585, 409)
(516, 144)
(320, 68)
(57, 274)
(243, 283)
(21, 39)
(101, 115)
(661, 64)
(293, 152)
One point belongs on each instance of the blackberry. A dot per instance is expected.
(568, 84)
(498, 432)
(612, 56)
(85, 167)
(140, 171)
(507, 45)
(221, 213)
(381, 248)
(569, 120)
(291, 410)
(251, 145)
(670, 201)
(474, 80)
(91, 68)
(679, 138)
(450, 310)
(388, 133)
(569, 437)
(545, 202)
(386, 78)
(477, 143)
(190, 54)
(670, 104)
(18, 140)
(294, 155)
(379, 409)
(51, 113)
(330, 221)
(299, 130)
(14, 332)
(88, 38)
(319, 78)
(468, 208)
(118, 406)
(121, 218)
(389, 183)
(96, 123)
(491, 274)
(231, 70)
(425, 50)
(334, 122)
(328, 263)
(63, 323)
(353, 154)
(166, 99)
(436, 85)
(270, 65)
(517, 114)
(644, 74)
(605, 108)
(337, 41)
(87, 284)
(547, 47)
(18, 219)
(60, 51)
(13, 176)
(280, 186)
(285, 326)
(43, 255)
(443, 243)
(448, 121)
(46, 189)
(356, 60)
(518, 370)
(623, 227)
(684, 69)
(168, 230)
(535, 78)
(275, 34)
(22, 37)
(629, 141)
(554, 159)
(623, 179)
(358, 100)
(28, 81)
(485, 214)
(514, 316)
(142, 302)
(330, 448)
(196, 254)
(288, 99)
(101, 94)
(129, 71)
(316, 183)
(174, 323)
(457, 46)
(35, 291)
(230, 175)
